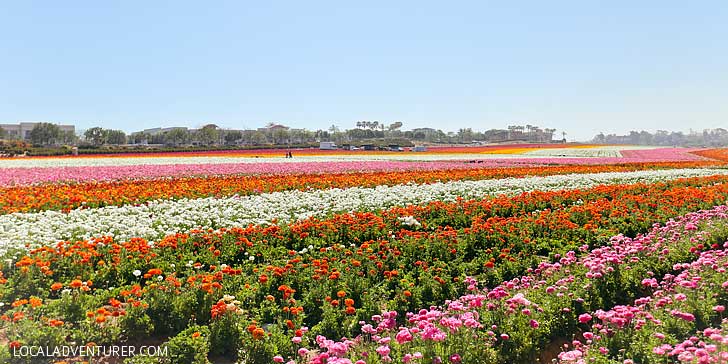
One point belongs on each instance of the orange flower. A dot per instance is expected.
(341, 294)
(349, 302)
(196, 334)
(350, 310)
(56, 286)
(35, 302)
(76, 283)
(19, 303)
(258, 333)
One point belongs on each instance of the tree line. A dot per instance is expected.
(706, 138)
(44, 134)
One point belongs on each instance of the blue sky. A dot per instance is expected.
(579, 66)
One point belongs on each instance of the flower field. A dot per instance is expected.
(518, 254)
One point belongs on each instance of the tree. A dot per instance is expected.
(176, 136)
(3, 133)
(465, 135)
(257, 138)
(45, 134)
(116, 137)
(68, 137)
(95, 135)
(395, 126)
(140, 137)
(208, 134)
(281, 136)
(233, 136)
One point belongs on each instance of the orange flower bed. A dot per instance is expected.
(717, 154)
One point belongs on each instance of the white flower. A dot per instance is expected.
(160, 278)
(409, 221)
(156, 219)
(251, 258)
(136, 272)
(228, 298)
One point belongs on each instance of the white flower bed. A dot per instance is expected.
(612, 151)
(163, 217)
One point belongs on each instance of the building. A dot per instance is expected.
(22, 130)
(271, 127)
(156, 131)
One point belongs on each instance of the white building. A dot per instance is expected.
(22, 129)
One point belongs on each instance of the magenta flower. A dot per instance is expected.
(584, 318)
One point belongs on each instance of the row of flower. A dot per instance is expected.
(623, 153)
(263, 291)
(604, 152)
(156, 219)
(716, 154)
(31, 176)
(257, 153)
(95, 194)
(535, 156)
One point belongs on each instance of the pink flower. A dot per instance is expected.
(533, 323)
(584, 318)
(403, 336)
(383, 350)
(278, 359)
(719, 308)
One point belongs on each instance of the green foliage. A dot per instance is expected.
(45, 134)
(191, 346)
